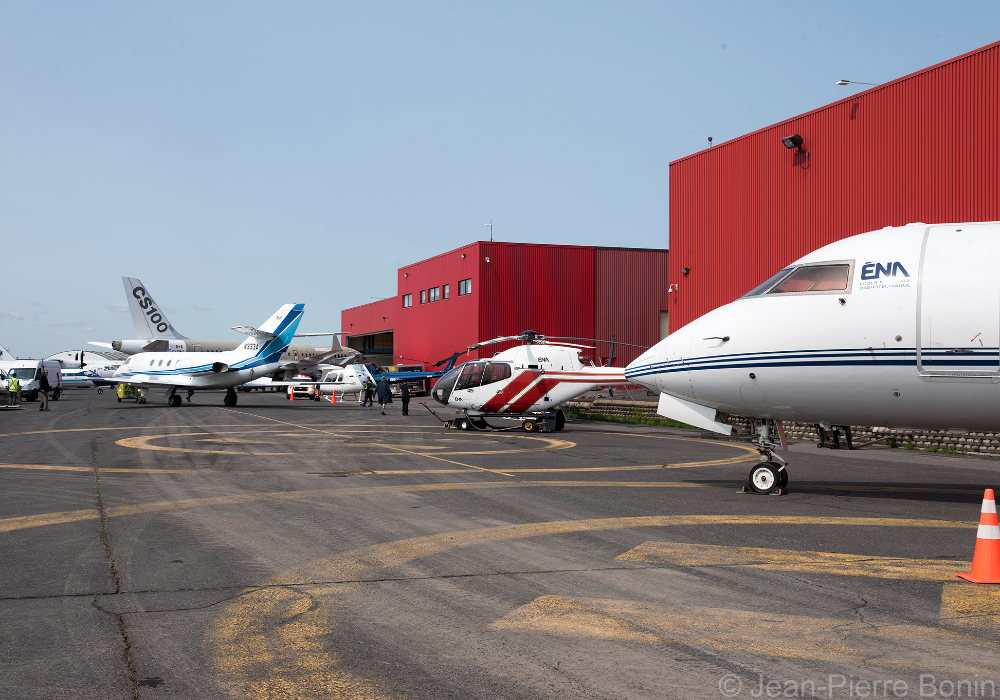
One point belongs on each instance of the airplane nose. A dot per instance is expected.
(662, 368)
(643, 371)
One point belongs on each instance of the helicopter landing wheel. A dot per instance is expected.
(463, 424)
(529, 426)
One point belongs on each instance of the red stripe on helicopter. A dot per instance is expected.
(509, 392)
(553, 379)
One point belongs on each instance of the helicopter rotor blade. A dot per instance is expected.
(599, 340)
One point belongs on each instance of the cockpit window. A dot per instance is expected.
(760, 289)
(815, 278)
(472, 375)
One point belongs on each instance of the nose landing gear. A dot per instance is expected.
(770, 476)
(230, 399)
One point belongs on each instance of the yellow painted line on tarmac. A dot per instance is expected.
(834, 640)
(142, 442)
(374, 444)
(970, 605)
(263, 649)
(710, 555)
(44, 519)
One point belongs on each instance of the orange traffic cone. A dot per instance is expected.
(333, 397)
(986, 559)
(291, 394)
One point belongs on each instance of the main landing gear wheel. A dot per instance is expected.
(175, 400)
(230, 399)
(767, 477)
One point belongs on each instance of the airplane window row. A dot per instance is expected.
(832, 277)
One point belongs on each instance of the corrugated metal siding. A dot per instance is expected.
(922, 148)
(548, 289)
(370, 318)
(630, 291)
(432, 331)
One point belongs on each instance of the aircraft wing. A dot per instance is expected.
(312, 361)
(154, 381)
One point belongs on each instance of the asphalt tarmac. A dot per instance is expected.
(306, 550)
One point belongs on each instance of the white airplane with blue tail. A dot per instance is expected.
(259, 355)
(897, 328)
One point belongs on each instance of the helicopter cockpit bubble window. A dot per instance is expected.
(444, 385)
(815, 278)
(472, 375)
(496, 372)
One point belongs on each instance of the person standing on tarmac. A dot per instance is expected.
(13, 389)
(369, 391)
(43, 390)
(384, 393)
(404, 394)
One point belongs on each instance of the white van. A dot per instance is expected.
(30, 372)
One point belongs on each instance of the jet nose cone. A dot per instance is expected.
(642, 370)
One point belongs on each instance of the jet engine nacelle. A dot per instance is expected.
(130, 347)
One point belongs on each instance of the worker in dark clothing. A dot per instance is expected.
(384, 394)
(369, 392)
(43, 392)
(404, 394)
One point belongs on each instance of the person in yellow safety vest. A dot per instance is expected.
(14, 389)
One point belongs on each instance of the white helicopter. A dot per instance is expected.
(898, 328)
(526, 383)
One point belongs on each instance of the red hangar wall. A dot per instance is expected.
(923, 148)
(485, 290)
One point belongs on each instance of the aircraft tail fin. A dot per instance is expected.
(147, 316)
(6, 354)
(275, 335)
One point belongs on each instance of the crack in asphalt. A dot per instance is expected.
(133, 674)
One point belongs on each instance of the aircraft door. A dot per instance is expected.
(958, 303)
(466, 392)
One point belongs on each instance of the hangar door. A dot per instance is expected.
(958, 302)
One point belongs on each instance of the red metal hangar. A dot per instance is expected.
(923, 148)
(485, 290)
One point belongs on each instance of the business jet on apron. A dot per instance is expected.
(259, 355)
(897, 328)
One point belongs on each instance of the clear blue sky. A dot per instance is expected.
(237, 155)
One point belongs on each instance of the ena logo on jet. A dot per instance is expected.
(873, 271)
(148, 306)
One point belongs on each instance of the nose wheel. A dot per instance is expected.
(768, 477)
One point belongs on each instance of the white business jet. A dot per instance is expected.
(898, 328)
(259, 355)
(155, 333)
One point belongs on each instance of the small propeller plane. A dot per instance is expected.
(897, 328)
(526, 383)
(259, 355)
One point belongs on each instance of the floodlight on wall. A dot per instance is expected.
(685, 270)
(793, 141)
